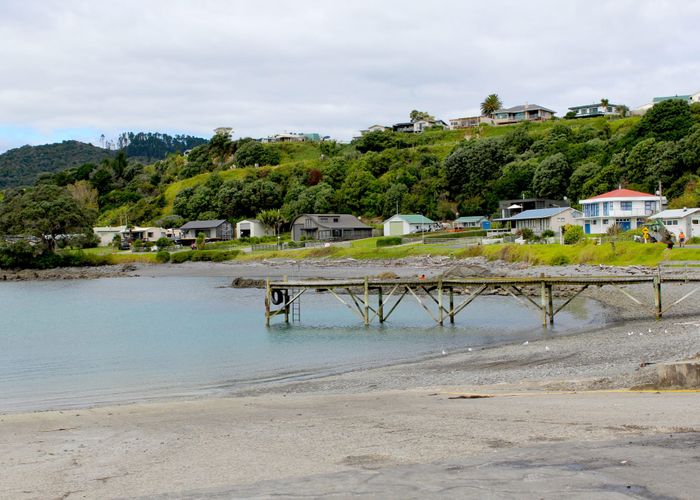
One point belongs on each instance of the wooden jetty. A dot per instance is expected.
(437, 297)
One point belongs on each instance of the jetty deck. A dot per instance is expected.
(444, 298)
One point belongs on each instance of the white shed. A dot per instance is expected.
(686, 220)
(252, 228)
(398, 225)
(107, 233)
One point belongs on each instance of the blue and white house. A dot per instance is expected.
(627, 208)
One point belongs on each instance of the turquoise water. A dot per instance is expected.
(77, 343)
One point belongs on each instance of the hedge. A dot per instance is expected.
(389, 241)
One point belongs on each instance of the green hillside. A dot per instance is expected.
(436, 173)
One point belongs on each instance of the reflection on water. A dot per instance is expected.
(74, 343)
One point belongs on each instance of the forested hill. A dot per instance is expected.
(151, 146)
(21, 166)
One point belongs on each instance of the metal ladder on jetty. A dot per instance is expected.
(295, 307)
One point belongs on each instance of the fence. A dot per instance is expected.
(289, 245)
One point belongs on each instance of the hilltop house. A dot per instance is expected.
(252, 228)
(686, 220)
(329, 227)
(214, 230)
(541, 219)
(472, 222)
(509, 208)
(470, 122)
(399, 225)
(374, 128)
(526, 112)
(689, 98)
(624, 207)
(418, 126)
(592, 110)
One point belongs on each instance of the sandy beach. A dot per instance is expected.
(554, 417)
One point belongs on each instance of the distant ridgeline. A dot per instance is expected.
(22, 166)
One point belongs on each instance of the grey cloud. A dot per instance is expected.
(331, 67)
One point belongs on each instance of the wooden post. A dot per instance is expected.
(267, 302)
(544, 303)
(380, 304)
(440, 310)
(452, 305)
(551, 304)
(657, 296)
(366, 301)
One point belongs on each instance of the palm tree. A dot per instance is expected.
(491, 104)
(604, 103)
(272, 219)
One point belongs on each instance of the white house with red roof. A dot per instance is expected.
(627, 208)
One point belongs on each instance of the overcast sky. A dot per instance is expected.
(78, 69)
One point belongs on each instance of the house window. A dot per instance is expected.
(626, 206)
(696, 221)
(594, 222)
(561, 219)
(605, 222)
(590, 210)
(607, 207)
(335, 219)
(649, 207)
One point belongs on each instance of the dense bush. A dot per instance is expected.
(572, 234)
(389, 241)
(203, 255)
(164, 242)
(23, 255)
(163, 256)
(526, 233)
(559, 260)
(547, 233)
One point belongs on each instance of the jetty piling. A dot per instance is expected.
(362, 290)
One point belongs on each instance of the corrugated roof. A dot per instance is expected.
(538, 213)
(415, 219)
(675, 214)
(518, 109)
(203, 224)
(593, 106)
(666, 98)
(622, 193)
(473, 218)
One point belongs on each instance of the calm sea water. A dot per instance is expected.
(77, 343)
